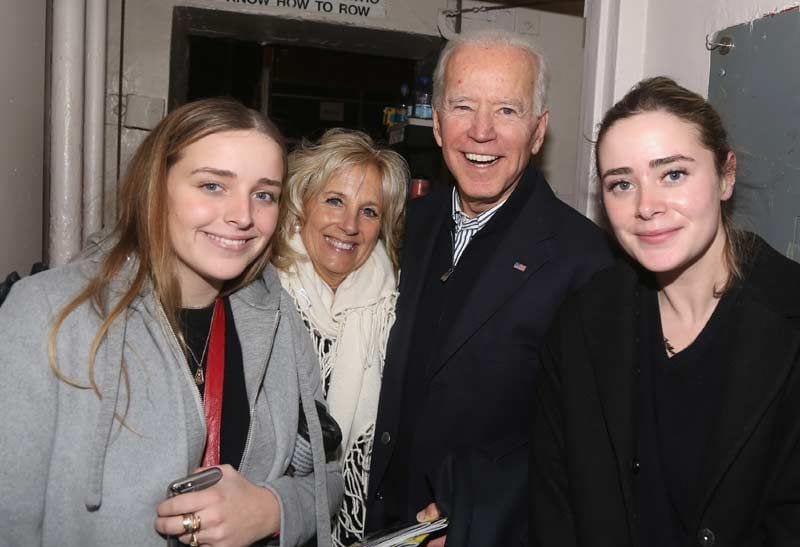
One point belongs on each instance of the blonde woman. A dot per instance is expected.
(336, 253)
(148, 358)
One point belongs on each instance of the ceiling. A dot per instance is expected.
(569, 7)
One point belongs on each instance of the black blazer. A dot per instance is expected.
(584, 462)
(478, 388)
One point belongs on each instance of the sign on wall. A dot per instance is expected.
(354, 8)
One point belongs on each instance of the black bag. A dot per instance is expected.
(5, 286)
(331, 432)
(13, 277)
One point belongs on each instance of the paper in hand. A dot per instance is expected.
(405, 536)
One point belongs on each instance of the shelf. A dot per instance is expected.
(421, 122)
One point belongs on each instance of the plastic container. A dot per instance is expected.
(422, 106)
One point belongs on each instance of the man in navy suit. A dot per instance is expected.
(485, 266)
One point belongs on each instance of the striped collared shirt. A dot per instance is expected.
(466, 227)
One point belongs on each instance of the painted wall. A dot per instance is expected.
(628, 40)
(676, 34)
(147, 44)
(22, 104)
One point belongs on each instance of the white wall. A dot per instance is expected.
(147, 45)
(22, 103)
(645, 38)
(676, 34)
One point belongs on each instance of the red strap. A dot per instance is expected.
(215, 377)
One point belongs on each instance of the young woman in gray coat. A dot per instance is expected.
(169, 346)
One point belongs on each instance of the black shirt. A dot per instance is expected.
(680, 398)
(235, 410)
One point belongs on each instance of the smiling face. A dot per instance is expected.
(662, 193)
(486, 125)
(343, 223)
(222, 209)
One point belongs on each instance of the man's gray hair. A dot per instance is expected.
(493, 37)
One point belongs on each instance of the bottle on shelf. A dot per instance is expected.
(422, 106)
(406, 106)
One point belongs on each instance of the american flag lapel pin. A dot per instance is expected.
(520, 266)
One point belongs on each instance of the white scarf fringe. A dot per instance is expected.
(354, 324)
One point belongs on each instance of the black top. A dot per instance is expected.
(235, 410)
(680, 398)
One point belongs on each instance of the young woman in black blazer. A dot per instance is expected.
(668, 403)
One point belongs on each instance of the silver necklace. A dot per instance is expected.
(199, 375)
(669, 347)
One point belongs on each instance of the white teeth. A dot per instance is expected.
(341, 245)
(480, 157)
(229, 243)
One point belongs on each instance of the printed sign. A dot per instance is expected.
(354, 8)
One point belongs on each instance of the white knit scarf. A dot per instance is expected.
(354, 323)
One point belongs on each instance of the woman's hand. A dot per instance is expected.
(234, 512)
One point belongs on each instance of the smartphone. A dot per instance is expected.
(194, 482)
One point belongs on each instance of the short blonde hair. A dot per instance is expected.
(312, 165)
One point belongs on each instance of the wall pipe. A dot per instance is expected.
(94, 116)
(601, 20)
(66, 111)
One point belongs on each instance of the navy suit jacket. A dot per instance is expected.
(479, 384)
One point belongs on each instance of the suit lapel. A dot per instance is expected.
(524, 249)
(412, 278)
(611, 327)
(758, 369)
(421, 235)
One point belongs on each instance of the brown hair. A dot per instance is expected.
(312, 165)
(141, 236)
(664, 94)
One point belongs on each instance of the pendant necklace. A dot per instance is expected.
(669, 347)
(199, 375)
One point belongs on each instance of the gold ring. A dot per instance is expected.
(195, 522)
(193, 541)
(188, 522)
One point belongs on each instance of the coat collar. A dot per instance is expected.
(527, 219)
(766, 311)
(610, 323)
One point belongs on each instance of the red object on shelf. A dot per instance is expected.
(418, 188)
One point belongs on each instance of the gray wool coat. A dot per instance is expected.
(73, 474)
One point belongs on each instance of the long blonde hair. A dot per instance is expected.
(141, 235)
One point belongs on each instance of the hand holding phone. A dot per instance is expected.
(194, 482)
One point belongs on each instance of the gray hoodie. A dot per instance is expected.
(71, 473)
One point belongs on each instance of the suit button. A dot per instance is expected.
(386, 438)
(379, 495)
(706, 537)
(635, 466)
